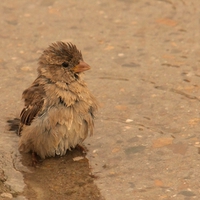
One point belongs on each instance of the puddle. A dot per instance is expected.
(53, 178)
(60, 178)
(11, 180)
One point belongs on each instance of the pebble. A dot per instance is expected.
(129, 120)
(78, 158)
(94, 151)
(120, 54)
(26, 68)
(6, 195)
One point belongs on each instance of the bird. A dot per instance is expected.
(59, 109)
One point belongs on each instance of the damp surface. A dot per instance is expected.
(144, 58)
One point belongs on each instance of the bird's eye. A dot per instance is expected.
(65, 64)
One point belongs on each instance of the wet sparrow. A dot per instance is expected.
(59, 108)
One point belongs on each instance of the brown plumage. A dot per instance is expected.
(59, 108)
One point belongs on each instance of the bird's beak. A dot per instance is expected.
(82, 66)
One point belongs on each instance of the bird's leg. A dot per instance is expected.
(34, 159)
(81, 148)
(19, 129)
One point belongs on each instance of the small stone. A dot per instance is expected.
(129, 120)
(78, 158)
(140, 136)
(7, 195)
(127, 127)
(26, 68)
(120, 54)
(95, 150)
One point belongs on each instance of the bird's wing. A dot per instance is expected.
(34, 100)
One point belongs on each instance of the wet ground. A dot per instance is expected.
(145, 58)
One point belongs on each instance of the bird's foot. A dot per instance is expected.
(81, 148)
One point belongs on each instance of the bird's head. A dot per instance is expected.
(61, 61)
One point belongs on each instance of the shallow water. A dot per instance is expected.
(64, 177)
(10, 165)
